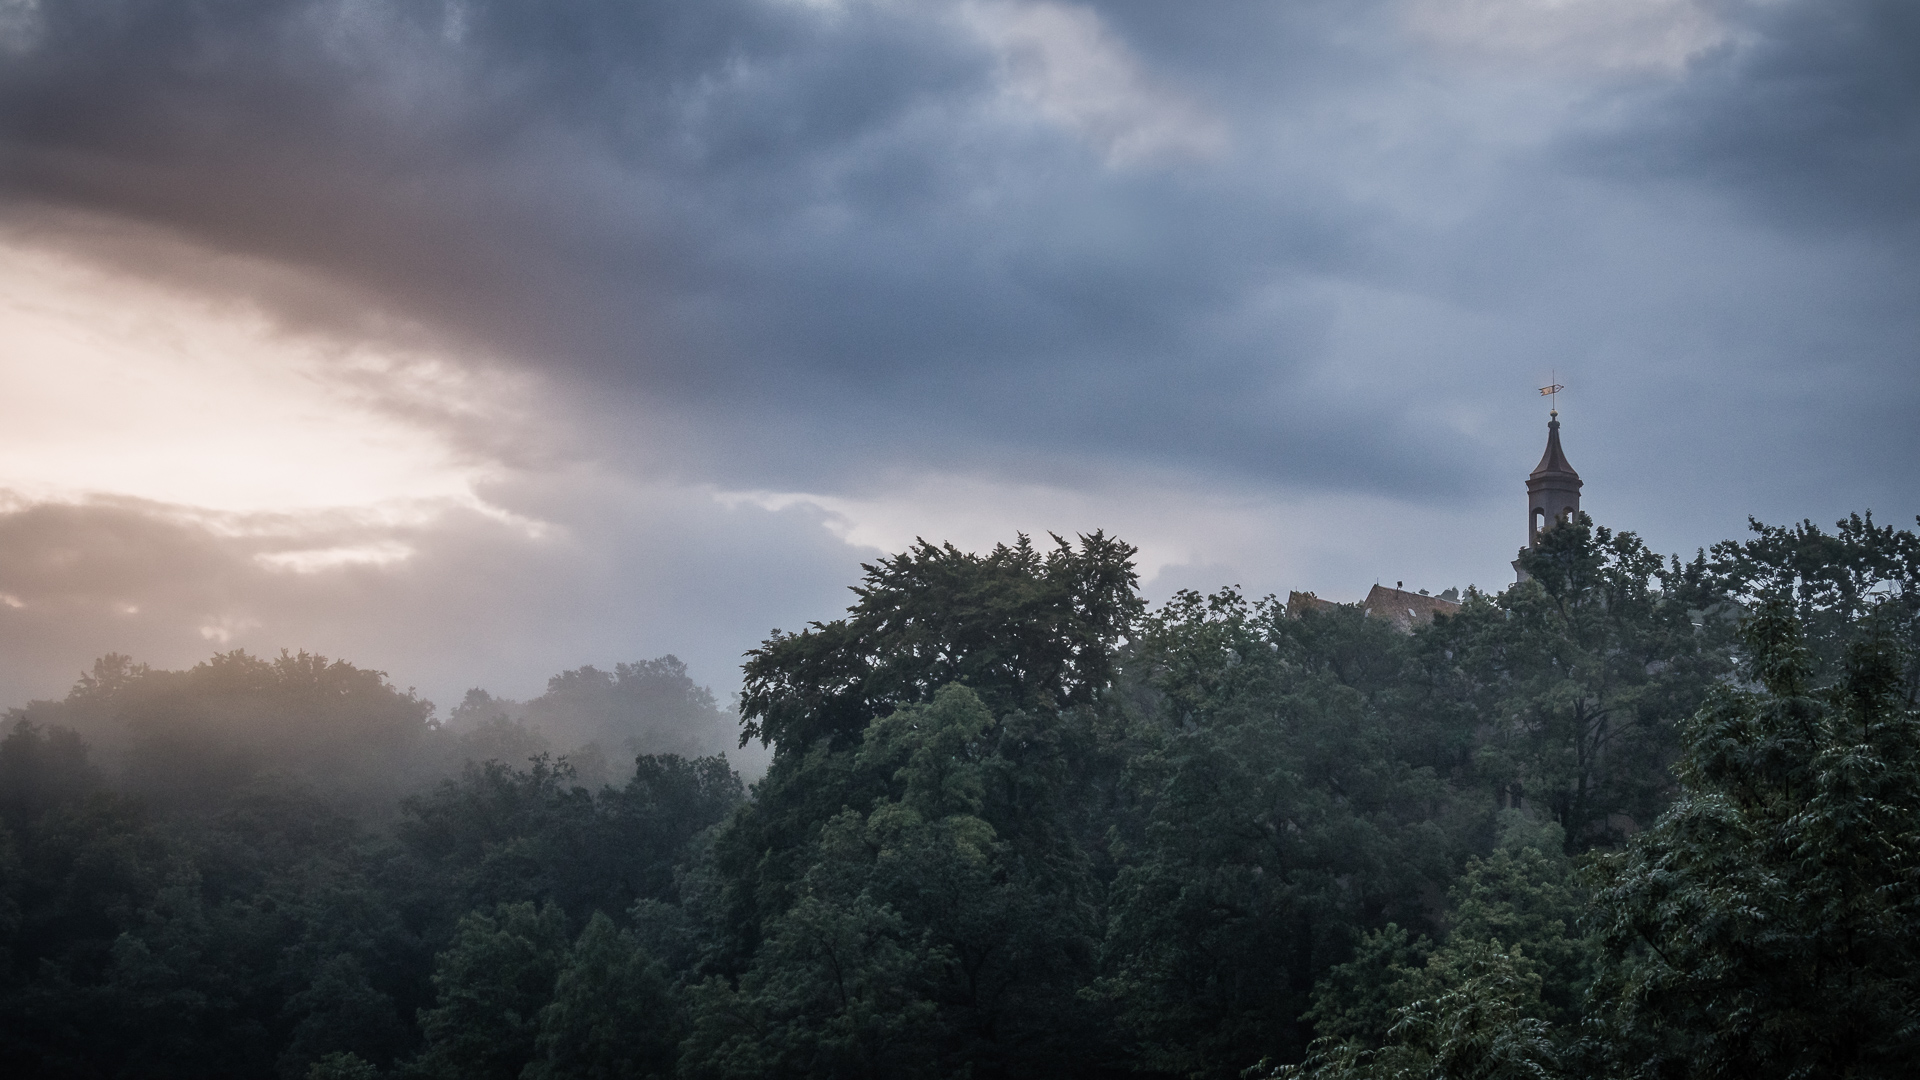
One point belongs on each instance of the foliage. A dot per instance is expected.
(1576, 677)
(1479, 1027)
(611, 1015)
(1765, 925)
(1525, 897)
(646, 707)
(940, 918)
(342, 1065)
(1277, 816)
(491, 984)
(1024, 629)
(186, 740)
(1831, 580)
(1627, 818)
(1486, 1001)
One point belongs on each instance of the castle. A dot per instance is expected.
(1553, 497)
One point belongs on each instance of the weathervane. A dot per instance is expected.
(1548, 391)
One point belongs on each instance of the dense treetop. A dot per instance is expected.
(1633, 817)
(1023, 628)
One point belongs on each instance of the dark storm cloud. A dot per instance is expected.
(1816, 117)
(804, 221)
(787, 245)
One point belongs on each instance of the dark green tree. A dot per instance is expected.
(942, 921)
(1766, 925)
(1526, 898)
(1278, 821)
(1024, 629)
(1501, 995)
(1575, 679)
(499, 834)
(1481, 1024)
(612, 1016)
(1032, 636)
(1832, 580)
(490, 985)
(342, 1065)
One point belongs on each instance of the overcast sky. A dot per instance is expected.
(472, 341)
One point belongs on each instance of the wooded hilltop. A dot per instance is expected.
(1633, 817)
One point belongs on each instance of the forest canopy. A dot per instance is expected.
(1634, 816)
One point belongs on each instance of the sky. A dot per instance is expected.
(475, 341)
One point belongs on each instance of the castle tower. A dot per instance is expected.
(1553, 489)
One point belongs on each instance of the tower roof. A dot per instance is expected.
(1553, 463)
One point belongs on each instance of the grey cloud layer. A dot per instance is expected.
(1816, 120)
(813, 241)
(748, 209)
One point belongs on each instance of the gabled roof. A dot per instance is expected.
(1405, 609)
(1298, 603)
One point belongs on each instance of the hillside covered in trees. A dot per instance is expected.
(1635, 817)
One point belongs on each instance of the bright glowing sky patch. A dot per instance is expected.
(114, 385)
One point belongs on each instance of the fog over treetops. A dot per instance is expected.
(1631, 816)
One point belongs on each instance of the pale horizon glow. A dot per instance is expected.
(1260, 542)
(113, 385)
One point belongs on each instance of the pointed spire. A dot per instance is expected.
(1553, 463)
(1553, 488)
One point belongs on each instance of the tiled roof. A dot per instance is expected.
(1406, 609)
